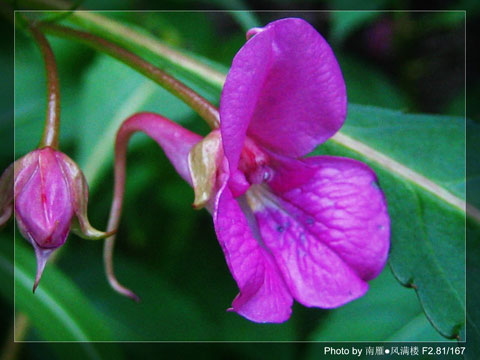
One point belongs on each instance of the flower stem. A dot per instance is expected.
(141, 42)
(198, 103)
(52, 120)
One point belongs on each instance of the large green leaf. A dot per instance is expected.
(473, 294)
(431, 145)
(164, 314)
(146, 45)
(388, 312)
(53, 302)
(473, 165)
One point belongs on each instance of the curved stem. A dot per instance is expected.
(175, 141)
(52, 120)
(197, 102)
(121, 144)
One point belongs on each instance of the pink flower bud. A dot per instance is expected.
(49, 189)
(43, 203)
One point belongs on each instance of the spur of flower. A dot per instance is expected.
(310, 229)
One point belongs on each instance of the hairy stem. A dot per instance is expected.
(52, 120)
(198, 103)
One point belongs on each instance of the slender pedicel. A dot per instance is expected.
(197, 102)
(52, 119)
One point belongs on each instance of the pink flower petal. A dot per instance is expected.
(263, 296)
(316, 275)
(241, 91)
(328, 235)
(23, 170)
(284, 89)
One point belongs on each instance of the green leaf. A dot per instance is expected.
(246, 19)
(188, 30)
(473, 165)
(473, 294)
(239, 12)
(146, 45)
(431, 145)
(50, 308)
(388, 312)
(58, 310)
(164, 313)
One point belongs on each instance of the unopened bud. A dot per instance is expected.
(50, 191)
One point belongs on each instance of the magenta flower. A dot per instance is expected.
(311, 229)
(49, 190)
(314, 229)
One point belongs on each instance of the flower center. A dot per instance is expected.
(254, 163)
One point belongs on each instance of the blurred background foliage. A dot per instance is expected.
(167, 252)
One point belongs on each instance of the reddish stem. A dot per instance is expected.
(197, 102)
(52, 120)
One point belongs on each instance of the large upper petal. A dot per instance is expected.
(263, 296)
(329, 234)
(284, 89)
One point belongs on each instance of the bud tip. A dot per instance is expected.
(42, 257)
(134, 297)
